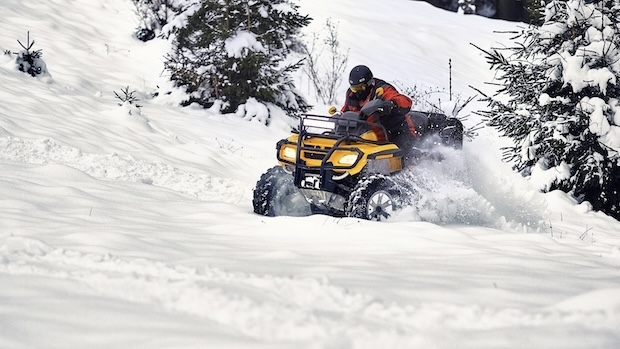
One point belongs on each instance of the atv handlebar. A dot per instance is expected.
(348, 125)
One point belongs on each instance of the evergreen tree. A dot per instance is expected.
(559, 101)
(233, 50)
(536, 10)
(154, 15)
(467, 7)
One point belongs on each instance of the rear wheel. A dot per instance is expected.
(275, 194)
(452, 133)
(375, 198)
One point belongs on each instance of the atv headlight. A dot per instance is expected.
(348, 159)
(289, 153)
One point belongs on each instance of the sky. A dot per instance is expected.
(126, 227)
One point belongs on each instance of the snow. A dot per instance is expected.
(244, 41)
(595, 107)
(122, 230)
(254, 110)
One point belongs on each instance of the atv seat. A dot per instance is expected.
(420, 120)
(450, 130)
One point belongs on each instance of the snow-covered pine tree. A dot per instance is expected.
(29, 61)
(559, 101)
(536, 10)
(467, 7)
(198, 51)
(233, 50)
(154, 15)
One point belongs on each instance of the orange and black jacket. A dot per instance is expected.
(393, 123)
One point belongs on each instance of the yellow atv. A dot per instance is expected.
(334, 165)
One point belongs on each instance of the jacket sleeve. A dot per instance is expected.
(391, 94)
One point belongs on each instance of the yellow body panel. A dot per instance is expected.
(321, 145)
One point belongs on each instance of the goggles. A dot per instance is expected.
(359, 87)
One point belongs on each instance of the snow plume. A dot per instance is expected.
(460, 189)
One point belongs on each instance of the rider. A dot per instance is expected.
(398, 124)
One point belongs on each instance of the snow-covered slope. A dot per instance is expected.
(122, 230)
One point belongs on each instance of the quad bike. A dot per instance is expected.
(336, 165)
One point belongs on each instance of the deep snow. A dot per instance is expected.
(136, 230)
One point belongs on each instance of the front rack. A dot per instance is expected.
(346, 128)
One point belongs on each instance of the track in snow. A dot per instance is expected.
(124, 168)
(264, 307)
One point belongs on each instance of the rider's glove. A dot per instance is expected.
(388, 107)
(332, 110)
(379, 92)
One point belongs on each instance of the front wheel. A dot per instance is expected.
(275, 194)
(375, 198)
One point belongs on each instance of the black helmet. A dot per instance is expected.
(360, 74)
